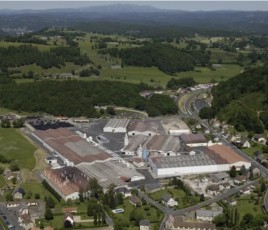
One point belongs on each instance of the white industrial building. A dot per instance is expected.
(217, 158)
(175, 126)
(116, 126)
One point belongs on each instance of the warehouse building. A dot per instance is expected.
(175, 126)
(116, 126)
(194, 140)
(164, 145)
(218, 158)
(145, 127)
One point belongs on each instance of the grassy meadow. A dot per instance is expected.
(14, 146)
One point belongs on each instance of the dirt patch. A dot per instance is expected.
(40, 156)
(28, 176)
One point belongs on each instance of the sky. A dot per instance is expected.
(178, 5)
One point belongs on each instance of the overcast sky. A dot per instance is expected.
(180, 5)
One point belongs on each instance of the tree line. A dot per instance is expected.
(76, 98)
(27, 54)
(235, 101)
(165, 57)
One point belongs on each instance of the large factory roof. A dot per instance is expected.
(143, 126)
(117, 123)
(67, 180)
(222, 153)
(193, 138)
(162, 143)
(200, 159)
(112, 171)
(71, 146)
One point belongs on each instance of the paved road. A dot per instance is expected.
(198, 104)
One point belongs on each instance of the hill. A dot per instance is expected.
(242, 101)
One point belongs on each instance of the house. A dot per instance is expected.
(68, 220)
(213, 189)
(144, 225)
(207, 215)
(138, 162)
(169, 201)
(220, 177)
(240, 179)
(17, 195)
(124, 191)
(175, 222)
(245, 191)
(231, 202)
(259, 138)
(225, 185)
(245, 143)
(12, 204)
(135, 200)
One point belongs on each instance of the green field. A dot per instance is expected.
(246, 204)
(177, 194)
(149, 214)
(14, 146)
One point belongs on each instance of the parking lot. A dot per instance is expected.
(10, 219)
(111, 141)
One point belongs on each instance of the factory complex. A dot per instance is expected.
(165, 148)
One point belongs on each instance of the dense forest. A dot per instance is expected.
(165, 57)
(77, 98)
(180, 83)
(27, 54)
(242, 101)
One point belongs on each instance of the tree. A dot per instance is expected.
(5, 124)
(50, 202)
(37, 196)
(233, 172)
(1, 170)
(110, 110)
(220, 220)
(263, 186)
(67, 224)
(14, 180)
(247, 219)
(48, 214)
(202, 197)
(9, 197)
(95, 218)
(243, 170)
(14, 166)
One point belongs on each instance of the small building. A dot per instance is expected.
(144, 225)
(245, 191)
(259, 138)
(135, 200)
(13, 204)
(116, 126)
(207, 215)
(68, 220)
(169, 201)
(224, 186)
(138, 162)
(17, 195)
(213, 189)
(194, 140)
(245, 143)
(124, 191)
(231, 202)
(220, 177)
(240, 179)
